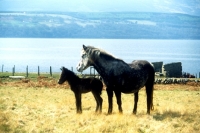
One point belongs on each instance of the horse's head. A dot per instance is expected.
(63, 77)
(88, 55)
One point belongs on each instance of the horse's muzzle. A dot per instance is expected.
(78, 68)
(59, 82)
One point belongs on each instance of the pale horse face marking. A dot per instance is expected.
(84, 62)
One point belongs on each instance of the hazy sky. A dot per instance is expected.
(177, 6)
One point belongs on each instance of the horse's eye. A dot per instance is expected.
(84, 55)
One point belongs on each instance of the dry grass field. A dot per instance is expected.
(42, 106)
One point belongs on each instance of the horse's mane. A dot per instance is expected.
(71, 73)
(103, 53)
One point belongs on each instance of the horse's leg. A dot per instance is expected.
(78, 103)
(119, 101)
(135, 102)
(110, 102)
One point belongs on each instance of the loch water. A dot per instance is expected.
(46, 52)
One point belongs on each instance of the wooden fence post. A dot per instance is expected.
(13, 71)
(50, 71)
(26, 71)
(90, 71)
(14, 68)
(94, 72)
(38, 70)
(2, 68)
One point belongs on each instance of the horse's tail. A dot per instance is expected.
(152, 83)
(152, 107)
(99, 86)
(150, 89)
(149, 92)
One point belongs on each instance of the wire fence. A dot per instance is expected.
(92, 72)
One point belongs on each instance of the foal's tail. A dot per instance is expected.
(99, 86)
(96, 85)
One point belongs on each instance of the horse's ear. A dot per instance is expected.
(97, 52)
(84, 47)
(62, 68)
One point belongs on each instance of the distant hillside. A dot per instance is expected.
(133, 25)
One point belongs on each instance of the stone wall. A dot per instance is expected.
(172, 70)
(158, 66)
(169, 70)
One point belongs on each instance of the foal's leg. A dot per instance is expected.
(78, 103)
(119, 101)
(135, 102)
(110, 102)
(99, 101)
(96, 99)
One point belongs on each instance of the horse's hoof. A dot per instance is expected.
(120, 112)
(134, 112)
(109, 113)
(79, 112)
(98, 112)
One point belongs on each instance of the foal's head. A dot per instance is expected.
(63, 75)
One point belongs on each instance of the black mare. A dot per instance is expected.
(119, 76)
(82, 85)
